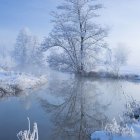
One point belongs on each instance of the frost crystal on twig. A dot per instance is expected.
(27, 134)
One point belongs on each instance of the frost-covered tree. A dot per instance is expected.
(22, 45)
(120, 58)
(27, 49)
(6, 60)
(35, 52)
(116, 58)
(77, 33)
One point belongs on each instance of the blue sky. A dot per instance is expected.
(16, 14)
(122, 16)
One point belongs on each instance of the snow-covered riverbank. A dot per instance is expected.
(103, 135)
(127, 129)
(11, 81)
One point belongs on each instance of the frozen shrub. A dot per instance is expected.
(115, 128)
(132, 113)
(27, 134)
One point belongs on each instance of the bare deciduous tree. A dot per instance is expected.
(6, 60)
(77, 34)
(116, 58)
(120, 58)
(27, 49)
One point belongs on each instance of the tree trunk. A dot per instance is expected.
(81, 61)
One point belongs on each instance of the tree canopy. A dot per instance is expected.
(78, 35)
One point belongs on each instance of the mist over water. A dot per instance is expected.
(74, 73)
(66, 107)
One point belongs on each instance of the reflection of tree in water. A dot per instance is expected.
(79, 114)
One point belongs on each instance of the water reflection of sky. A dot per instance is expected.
(67, 107)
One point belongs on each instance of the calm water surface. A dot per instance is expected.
(67, 107)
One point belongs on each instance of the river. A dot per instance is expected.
(67, 107)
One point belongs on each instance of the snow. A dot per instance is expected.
(21, 80)
(28, 81)
(27, 134)
(103, 135)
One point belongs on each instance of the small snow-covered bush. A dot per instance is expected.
(115, 128)
(128, 128)
(27, 134)
(132, 113)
